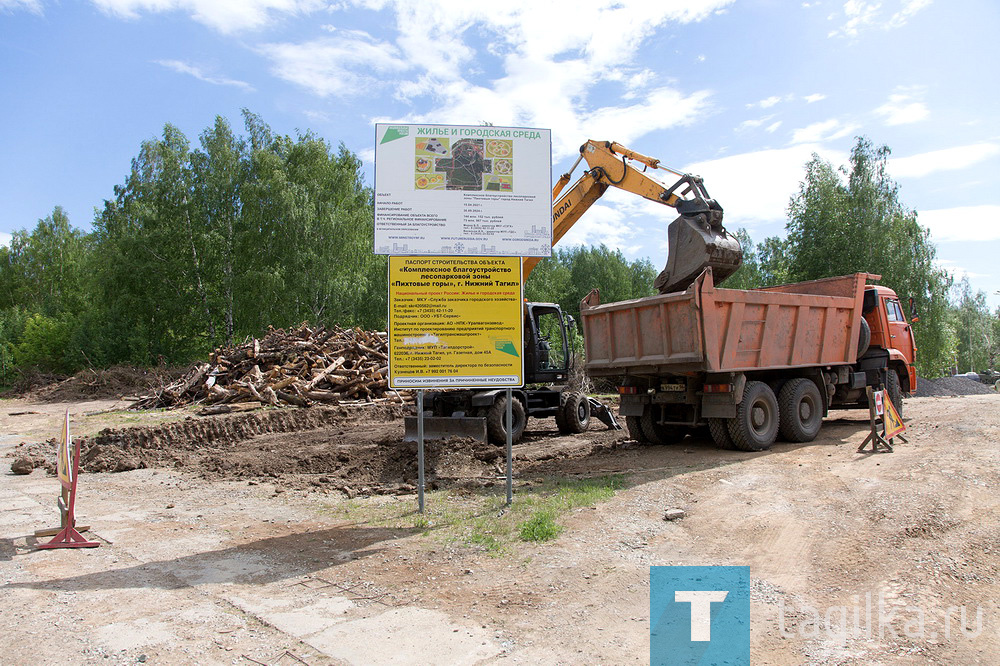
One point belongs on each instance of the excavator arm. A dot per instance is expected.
(696, 239)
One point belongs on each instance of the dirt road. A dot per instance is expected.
(247, 549)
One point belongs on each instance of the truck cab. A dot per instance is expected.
(891, 331)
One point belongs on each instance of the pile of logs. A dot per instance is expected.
(288, 367)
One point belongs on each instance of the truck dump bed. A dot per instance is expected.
(721, 330)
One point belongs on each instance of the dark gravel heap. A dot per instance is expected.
(950, 386)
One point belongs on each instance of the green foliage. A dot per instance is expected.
(569, 275)
(43, 344)
(849, 220)
(12, 323)
(976, 330)
(540, 527)
(44, 271)
(203, 246)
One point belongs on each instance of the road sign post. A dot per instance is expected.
(456, 208)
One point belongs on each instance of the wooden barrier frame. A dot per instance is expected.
(69, 536)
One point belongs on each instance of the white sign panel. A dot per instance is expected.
(463, 190)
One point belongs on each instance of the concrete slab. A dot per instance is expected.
(406, 637)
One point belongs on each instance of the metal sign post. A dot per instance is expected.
(510, 447)
(420, 450)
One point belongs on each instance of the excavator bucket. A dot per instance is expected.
(695, 243)
(443, 427)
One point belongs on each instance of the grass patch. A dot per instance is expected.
(482, 520)
(540, 527)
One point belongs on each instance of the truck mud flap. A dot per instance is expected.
(443, 427)
(605, 415)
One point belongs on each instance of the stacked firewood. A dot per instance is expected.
(298, 367)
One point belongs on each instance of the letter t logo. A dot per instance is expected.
(701, 607)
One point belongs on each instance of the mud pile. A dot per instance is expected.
(353, 450)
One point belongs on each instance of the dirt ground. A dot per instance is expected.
(223, 542)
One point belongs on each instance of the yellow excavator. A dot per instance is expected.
(696, 240)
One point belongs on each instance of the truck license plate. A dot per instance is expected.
(673, 387)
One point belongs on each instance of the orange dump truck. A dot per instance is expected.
(749, 364)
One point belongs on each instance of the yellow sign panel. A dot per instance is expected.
(893, 424)
(455, 322)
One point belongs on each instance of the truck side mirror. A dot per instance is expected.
(914, 317)
(570, 322)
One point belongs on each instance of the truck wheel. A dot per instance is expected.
(800, 409)
(496, 421)
(657, 433)
(894, 390)
(634, 425)
(720, 433)
(864, 338)
(756, 424)
(574, 412)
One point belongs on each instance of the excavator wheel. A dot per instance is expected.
(574, 412)
(496, 421)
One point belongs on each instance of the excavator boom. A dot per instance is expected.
(696, 240)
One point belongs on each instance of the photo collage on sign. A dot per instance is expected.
(465, 164)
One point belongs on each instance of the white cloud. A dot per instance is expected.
(766, 103)
(196, 72)
(602, 224)
(948, 159)
(826, 130)
(754, 122)
(815, 97)
(859, 16)
(958, 271)
(316, 116)
(5, 239)
(547, 76)
(773, 127)
(347, 67)
(910, 7)
(964, 223)
(226, 16)
(904, 106)
(750, 198)
(33, 6)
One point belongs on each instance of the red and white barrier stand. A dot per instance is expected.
(68, 467)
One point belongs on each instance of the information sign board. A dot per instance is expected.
(455, 322)
(463, 190)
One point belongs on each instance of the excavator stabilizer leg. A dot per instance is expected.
(693, 245)
(605, 415)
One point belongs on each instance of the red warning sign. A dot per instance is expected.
(893, 423)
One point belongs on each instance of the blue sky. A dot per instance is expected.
(740, 92)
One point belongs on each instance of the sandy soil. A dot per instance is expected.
(225, 548)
